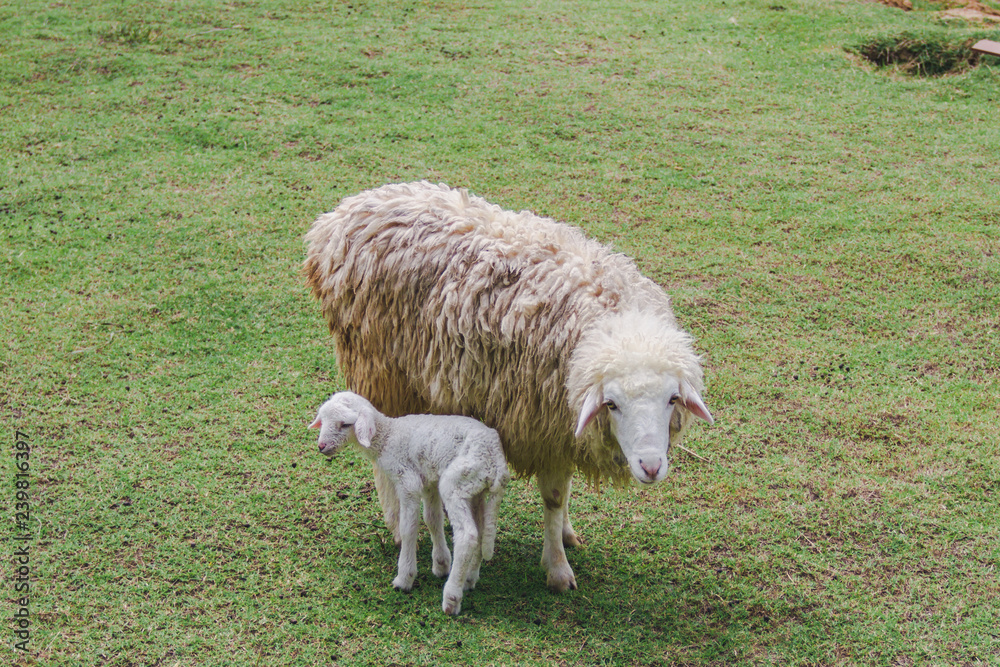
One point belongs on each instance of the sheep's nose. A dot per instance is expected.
(321, 449)
(651, 468)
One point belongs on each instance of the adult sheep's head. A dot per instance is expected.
(647, 378)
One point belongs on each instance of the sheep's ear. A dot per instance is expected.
(592, 402)
(317, 423)
(694, 404)
(364, 428)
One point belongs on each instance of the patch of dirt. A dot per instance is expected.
(969, 10)
(970, 13)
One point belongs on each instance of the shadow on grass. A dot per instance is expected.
(630, 607)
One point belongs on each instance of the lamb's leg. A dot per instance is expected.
(490, 514)
(478, 505)
(434, 518)
(389, 501)
(409, 524)
(466, 536)
(554, 487)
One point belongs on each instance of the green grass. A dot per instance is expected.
(828, 229)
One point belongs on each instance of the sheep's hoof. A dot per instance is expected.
(561, 580)
(571, 539)
(472, 580)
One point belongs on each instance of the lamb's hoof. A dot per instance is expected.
(561, 580)
(402, 584)
(441, 568)
(472, 580)
(452, 604)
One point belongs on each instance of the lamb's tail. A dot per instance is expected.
(491, 511)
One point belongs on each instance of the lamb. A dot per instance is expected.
(455, 460)
(439, 301)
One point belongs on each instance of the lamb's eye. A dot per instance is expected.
(674, 399)
(611, 406)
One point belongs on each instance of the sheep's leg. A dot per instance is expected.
(569, 536)
(388, 390)
(409, 524)
(434, 518)
(389, 501)
(554, 487)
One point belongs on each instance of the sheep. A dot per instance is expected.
(439, 301)
(453, 460)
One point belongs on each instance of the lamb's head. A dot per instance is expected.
(647, 377)
(344, 418)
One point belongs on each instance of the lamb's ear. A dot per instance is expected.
(694, 404)
(364, 428)
(317, 423)
(592, 402)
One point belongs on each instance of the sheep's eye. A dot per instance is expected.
(611, 405)
(338, 426)
(673, 399)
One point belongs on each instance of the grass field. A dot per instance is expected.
(829, 231)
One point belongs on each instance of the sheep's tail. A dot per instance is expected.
(491, 511)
